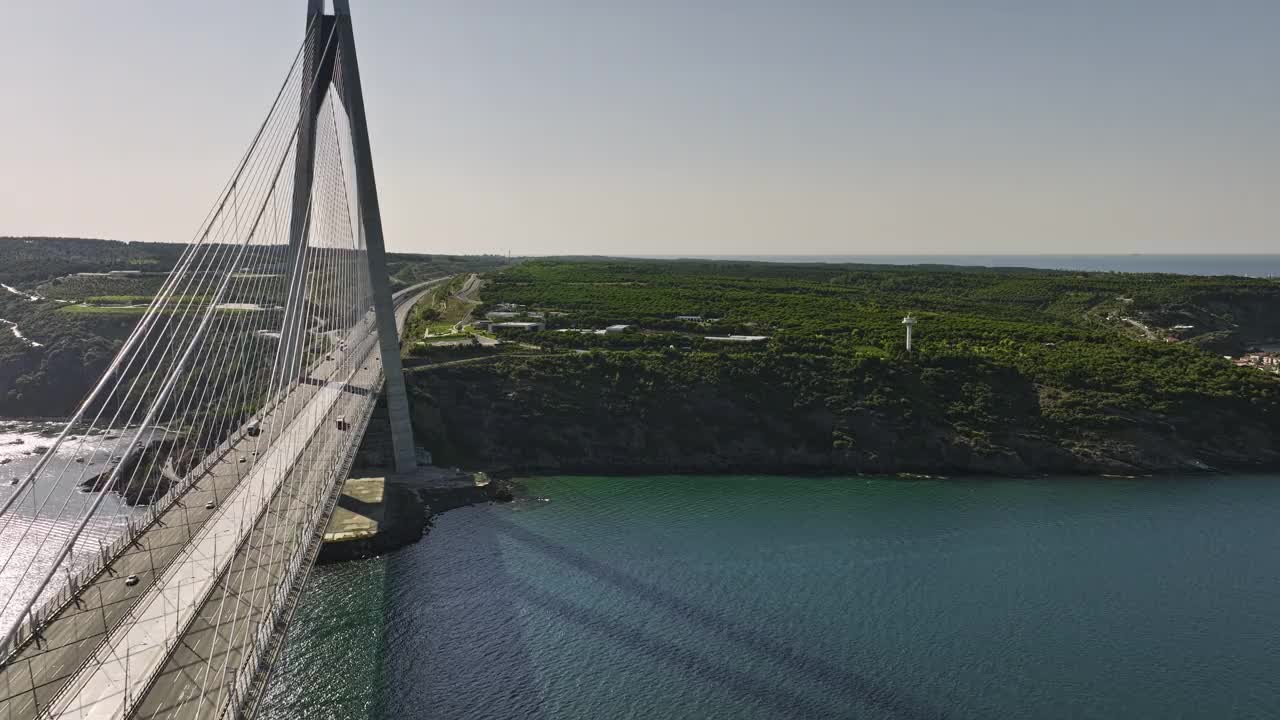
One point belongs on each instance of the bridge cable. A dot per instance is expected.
(167, 387)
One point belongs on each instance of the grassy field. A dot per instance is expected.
(141, 309)
(439, 310)
(142, 299)
(138, 310)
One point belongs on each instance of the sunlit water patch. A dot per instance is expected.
(45, 517)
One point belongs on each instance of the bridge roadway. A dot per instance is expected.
(147, 649)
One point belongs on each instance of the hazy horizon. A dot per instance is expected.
(697, 256)
(743, 128)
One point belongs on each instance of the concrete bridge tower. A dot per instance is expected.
(335, 62)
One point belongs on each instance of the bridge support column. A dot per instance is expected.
(332, 65)
(317, 70)
(371, 218)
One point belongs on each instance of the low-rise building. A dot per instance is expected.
(524, 326)
(615, 329)
(737, 338)
(501, 315)
(1261, 360)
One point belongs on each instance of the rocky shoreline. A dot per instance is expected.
(410, 514)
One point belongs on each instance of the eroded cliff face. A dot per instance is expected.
(47, 382)
(613, 416)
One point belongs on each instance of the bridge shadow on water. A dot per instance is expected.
(437, 630)
(847, 695)
(457, 649)
(430, 631)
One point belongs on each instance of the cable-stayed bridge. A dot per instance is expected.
(151, 560)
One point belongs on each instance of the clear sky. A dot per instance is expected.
(679, 126)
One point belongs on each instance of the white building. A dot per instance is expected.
(525, 326)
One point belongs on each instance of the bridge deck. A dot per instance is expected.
(109, 646)
(122, 667)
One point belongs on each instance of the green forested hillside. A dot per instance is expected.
(954, 304)
(407, 269)
(1013, 370)
(73, 315)
(28, 260)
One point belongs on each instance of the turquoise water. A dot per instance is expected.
(763, 597)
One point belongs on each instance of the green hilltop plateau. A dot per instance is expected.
(639, 366)
(768, 367)
(74, 301)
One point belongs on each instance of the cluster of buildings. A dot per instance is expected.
(510, 316)
(611, 330)
(700, 320)
(1268, 361)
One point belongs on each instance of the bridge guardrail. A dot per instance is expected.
(254, 670)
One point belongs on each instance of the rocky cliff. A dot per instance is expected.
(616, 413)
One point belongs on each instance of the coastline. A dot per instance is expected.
(1067, 466)
(410, 514)
(418, 508)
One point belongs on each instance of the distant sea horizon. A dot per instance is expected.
(1242, 265)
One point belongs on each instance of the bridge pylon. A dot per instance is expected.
(330, 61)
(152, 557)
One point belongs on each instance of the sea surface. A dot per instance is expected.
(1240, 265)
(750, 598)
(56, 502)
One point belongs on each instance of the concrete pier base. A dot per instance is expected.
(379, 514)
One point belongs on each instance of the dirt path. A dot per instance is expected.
(1145, 330)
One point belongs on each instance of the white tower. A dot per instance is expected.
(910, 323)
